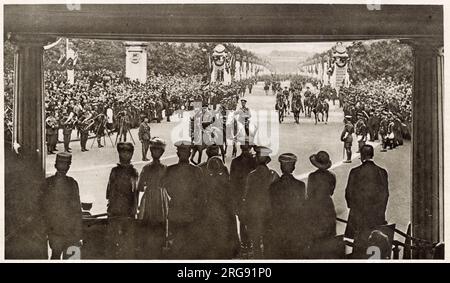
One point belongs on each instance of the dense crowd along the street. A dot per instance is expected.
(107, 97)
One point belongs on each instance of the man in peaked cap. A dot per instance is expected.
(61, 206)
(286, 225)
(184, 184)
(122, 196)
(256, 199)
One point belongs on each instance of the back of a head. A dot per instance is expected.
(367, 152)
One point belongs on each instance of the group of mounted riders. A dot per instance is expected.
(295, 100)
(227, 121)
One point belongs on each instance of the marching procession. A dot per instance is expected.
(376, 110)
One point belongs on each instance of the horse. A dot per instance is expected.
(309, 103)
(297, 107)
(321, 107)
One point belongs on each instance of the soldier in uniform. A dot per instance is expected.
(374, 126)
(153, 209)
(398, 134)
(240, 167)
(101, 122)
(266, 88)
(207, 118)
(384, 131)
(51, 127)
(158, 109)
(244, 115)
(286, 231)
(307, 93)
(68, 123)
(274, 88)
(286, 99)
(85, 124)
(256, 203)
(250, 86)
(144, 137)
(122, 197)
(391, 132)
(361, 132)
(347, 138)
(124, 125)
(61, 207)
(184, 184)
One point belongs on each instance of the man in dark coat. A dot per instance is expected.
(256, 205)
(239, 169)
(184, 184)
(287, 217)
(61, 209)
(367, 196)
(122, 196)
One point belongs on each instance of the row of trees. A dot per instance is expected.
(375, 60)
(381, 59)
(163, 57)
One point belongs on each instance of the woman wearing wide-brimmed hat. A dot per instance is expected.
(320, 188)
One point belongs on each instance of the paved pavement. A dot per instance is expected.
(91, 169)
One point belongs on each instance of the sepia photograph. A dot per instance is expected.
(223, 131)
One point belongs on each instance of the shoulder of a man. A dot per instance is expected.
(381, 169)
(355, 170)
(171, 168)
(71, 180)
